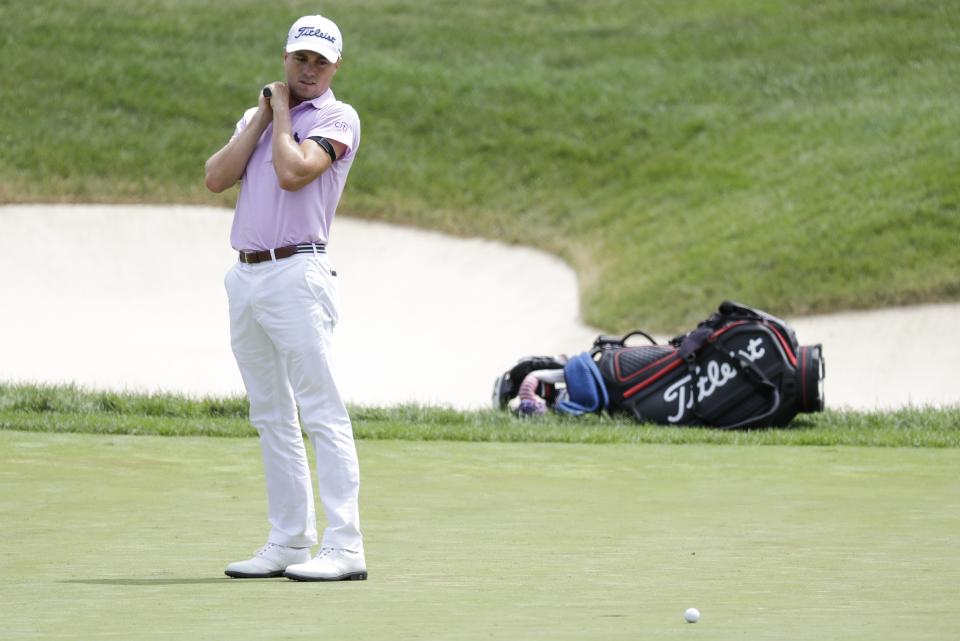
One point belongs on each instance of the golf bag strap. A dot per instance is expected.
(688, 347)
(603, 341)
(756, 419)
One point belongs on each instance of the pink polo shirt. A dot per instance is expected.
(268, 217)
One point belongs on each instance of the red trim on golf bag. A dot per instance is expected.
(669, 368)
(619, 371)
(676, 361)
(803, 380)
(811, 374)
(786, 346)
(787, 350)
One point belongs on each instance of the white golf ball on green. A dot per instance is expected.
(692, 615)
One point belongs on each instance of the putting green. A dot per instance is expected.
(113, 537)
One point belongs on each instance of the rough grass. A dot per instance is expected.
(71, 409)
(797, 156)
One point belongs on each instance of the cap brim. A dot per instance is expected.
(329, 53)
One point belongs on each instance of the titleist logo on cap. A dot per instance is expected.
(312, 32)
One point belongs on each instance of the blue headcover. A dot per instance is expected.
(585, 389)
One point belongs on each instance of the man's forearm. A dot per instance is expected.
(224, 168)
(288, 158)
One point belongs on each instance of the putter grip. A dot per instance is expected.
(267, 93)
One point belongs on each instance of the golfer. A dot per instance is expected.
(291, 155)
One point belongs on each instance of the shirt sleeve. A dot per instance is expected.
(243, 122)
(341, 124)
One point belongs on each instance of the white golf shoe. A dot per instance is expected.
(330, 564)
(269, 561)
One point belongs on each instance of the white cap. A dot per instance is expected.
(318, 34)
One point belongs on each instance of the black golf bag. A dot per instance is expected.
(739, 368)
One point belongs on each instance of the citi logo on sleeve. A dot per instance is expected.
(313, 32)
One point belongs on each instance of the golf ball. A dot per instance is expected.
(692, 615)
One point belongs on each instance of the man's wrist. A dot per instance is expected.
(281, 122)
(261, 119)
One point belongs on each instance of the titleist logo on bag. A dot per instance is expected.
(717, 375)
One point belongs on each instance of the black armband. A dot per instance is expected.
(326, 146)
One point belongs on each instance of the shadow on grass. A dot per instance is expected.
(167, 581)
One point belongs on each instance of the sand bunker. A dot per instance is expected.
(131, 297)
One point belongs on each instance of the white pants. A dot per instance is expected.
(282, 315)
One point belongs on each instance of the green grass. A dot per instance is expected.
(798, 156)
(41, 408)
(117, 537)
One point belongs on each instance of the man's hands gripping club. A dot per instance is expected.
(296, 163)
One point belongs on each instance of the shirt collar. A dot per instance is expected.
(325, 98)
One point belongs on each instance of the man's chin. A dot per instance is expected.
(304, 93)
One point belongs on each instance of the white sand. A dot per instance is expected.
(131, 297)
